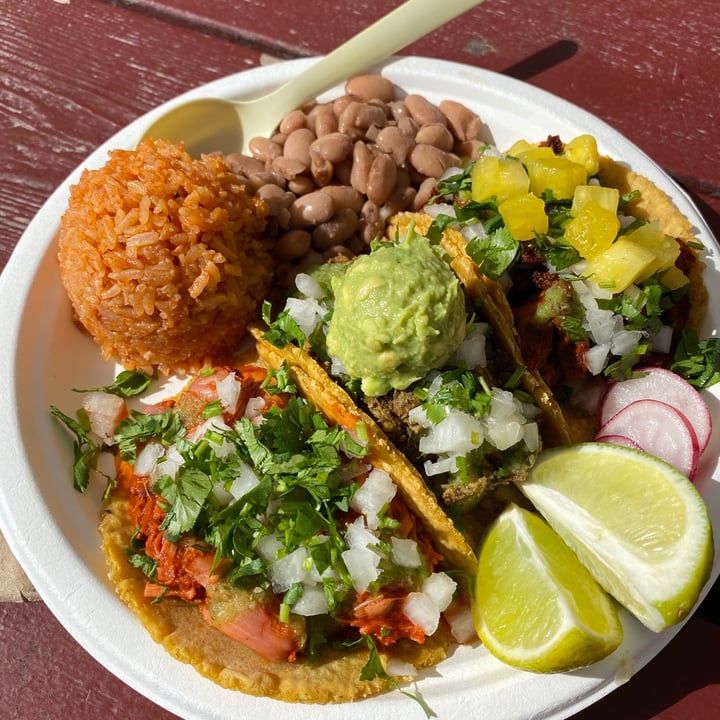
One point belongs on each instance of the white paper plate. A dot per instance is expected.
(52, 529)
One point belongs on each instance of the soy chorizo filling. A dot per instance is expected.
(247, 503)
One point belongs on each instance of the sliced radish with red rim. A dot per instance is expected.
(660, 430)
(665, 386)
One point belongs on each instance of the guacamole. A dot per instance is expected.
(399, 312)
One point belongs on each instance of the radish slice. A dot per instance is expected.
(666, 386)
(660, 430)
(618, 440)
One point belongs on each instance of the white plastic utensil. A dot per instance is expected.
(212, 124)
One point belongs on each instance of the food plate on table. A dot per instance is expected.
(53, 530)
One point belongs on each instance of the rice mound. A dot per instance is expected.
(163, 258)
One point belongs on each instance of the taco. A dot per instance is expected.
(395, 339)
(588, 270)
(261, 541)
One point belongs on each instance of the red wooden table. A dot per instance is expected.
(75, 71)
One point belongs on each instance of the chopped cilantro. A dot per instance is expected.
(185, 496)
(127, 384)
(495, 253)
(85, 450)
(165, 427)
(283, 330)
(698, 361)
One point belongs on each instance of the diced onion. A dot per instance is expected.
(358, 535)
(362, 564)
(458, 432)
(662, 341)
(308, 286)
(245, 481)
(228, 390)
(104, 412)
(289, 569)
(147, 458)
(312, 601)
(254, 410)
(420, 609)
(596, 357)
(436, 209)
(373, 495)
(405, 552)
(440, 587)
(267, 547)
(400, 668)
(462, 624)
(306, 312)
(472, 350)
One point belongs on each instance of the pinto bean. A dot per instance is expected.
(424, 193)
(293, 244)
(381, 179)
(265, 149)
(435, 134)
(302, 185)
(423, 111)
(463, 122)
(337, 230)
(288, 167)
(321, 170)
(357, 117)
(362, 161)
(334, 147)
(294, 120)
(345, 196)
(311, 209)
(322, 120)
(371, 87)
(266, 177)
(393, 141)
(297, 145)
(431, 161)
(244, 165)
(276, 198)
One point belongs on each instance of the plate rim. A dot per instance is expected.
(16, 283)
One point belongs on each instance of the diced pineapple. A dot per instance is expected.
(622, 264)
(665, 248)
(557, 174)
(524, 216)
(674, 278)
(604, 196)
(535, 153)
(499, 178)
(592, 230)
(583, 150)
(520, 146)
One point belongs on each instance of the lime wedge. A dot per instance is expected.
(638, 525)
(536, 607)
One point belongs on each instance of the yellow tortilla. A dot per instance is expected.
(180, 629)
(339, 407)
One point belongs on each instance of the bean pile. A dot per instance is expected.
(335, 172)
